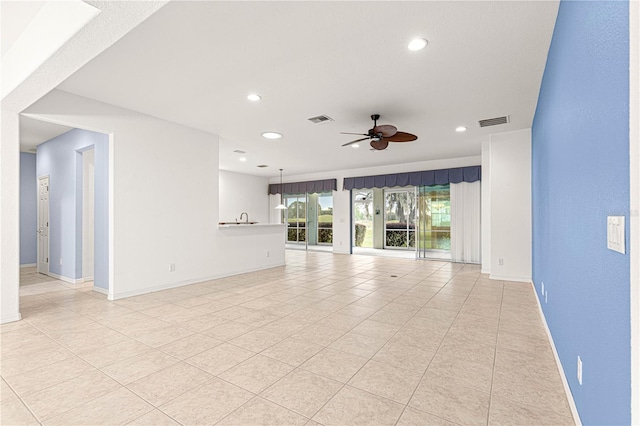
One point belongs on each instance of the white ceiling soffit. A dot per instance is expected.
(75, 44)
(34, 132)
(195, 62)
(50, 27)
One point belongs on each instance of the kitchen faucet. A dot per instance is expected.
(247, 216)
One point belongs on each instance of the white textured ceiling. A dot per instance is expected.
(195, 62)
(15, 17)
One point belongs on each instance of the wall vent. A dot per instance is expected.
(494, 121)
(320, 119)
(262, 166)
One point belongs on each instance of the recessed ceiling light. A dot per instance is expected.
(271, 135)
(461, 129)
(417, 44)
(242, 158)
(355, 145)
(254, 97)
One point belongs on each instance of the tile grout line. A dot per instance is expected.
(495, 355)
(434, 355)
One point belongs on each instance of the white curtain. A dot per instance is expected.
(465, 222)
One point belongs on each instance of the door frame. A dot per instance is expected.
(39, 242)
(88, 212)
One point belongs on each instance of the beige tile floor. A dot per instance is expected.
(326, 340)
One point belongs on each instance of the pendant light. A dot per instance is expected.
(281, 206)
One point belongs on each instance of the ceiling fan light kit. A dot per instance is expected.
(380, 136)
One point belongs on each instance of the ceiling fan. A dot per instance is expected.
(380, 136)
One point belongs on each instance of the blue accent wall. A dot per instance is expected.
(580, 175)
(28, 209)
(61, 159)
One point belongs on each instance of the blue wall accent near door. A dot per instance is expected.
(28, 209)
(61, 159)
(580, 162)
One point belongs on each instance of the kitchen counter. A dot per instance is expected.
(227, 225)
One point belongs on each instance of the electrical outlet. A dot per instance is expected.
(268, 253)
(500, 261)
(546, 293)
(542, 287)
(172, 267)
(579, 370)
(60, 261)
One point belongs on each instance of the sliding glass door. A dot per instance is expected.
(400, 218)
(324, 219)
(363, 216)
(309, 220)
(296, 215)
(434, 238)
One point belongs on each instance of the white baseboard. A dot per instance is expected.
(10, 318)
(567, 389)
(510, 278)
(85, 279)
(100, 290)
(485, 271)
(123, 295)
(27, 265)
(66, 279)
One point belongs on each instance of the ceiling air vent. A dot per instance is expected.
(262, 166)
(494, 121)
(320, 119)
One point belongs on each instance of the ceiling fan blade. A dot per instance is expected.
(347, 133)
(387, 130)
(402, 137)
(379, 144)
(356, 141)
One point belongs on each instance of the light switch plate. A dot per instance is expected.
(615, 233)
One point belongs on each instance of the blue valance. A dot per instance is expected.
(426, 178)
(311, 187)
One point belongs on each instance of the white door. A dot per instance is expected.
(43, 225)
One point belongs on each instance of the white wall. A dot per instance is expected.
(243, 193)
(510, 205)
(165, 200)
(9, 217)
(485, 213)
(342, 199)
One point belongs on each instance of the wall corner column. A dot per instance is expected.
(10, 217)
